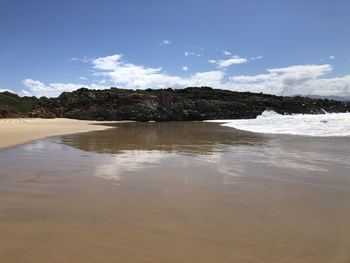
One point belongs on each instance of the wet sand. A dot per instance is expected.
(17, 131)
(175, 192)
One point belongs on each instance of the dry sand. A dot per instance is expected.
(17, 131)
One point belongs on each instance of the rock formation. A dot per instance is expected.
(188, 104)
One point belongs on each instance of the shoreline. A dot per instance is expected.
(17, 131)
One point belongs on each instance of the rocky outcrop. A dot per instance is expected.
(161, 105)
(177, 105)
(8, 113)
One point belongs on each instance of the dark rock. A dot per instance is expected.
(172, 105)
(8, 113)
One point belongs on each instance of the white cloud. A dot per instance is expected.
(254, 78)
(83, 59)
(224, 63)
(256, 58)
(307, 71)
(293, 80)
(8, 90)
(227, 53)
(331, 58)
(107, 63)
(115, 71)
(128, 75)
(188, 54)
(82, 78)
(39, 89)
(209, 78)
(165, 42)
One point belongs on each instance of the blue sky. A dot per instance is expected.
(279, 47)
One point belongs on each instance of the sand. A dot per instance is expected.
(18, 131)
(187, 192)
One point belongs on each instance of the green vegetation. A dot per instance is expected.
(20, 105)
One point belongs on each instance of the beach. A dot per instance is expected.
(175, 192)
(174, 131)
(21, 130)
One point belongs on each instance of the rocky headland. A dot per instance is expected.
(193, 103)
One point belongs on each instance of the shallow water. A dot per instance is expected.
(175, 192)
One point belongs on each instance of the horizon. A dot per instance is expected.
(49, 48)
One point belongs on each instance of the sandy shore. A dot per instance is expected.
(188, 192)
(17, 131)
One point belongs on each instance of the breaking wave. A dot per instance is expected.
(322, 125)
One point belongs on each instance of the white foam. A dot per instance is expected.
(323, 125)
